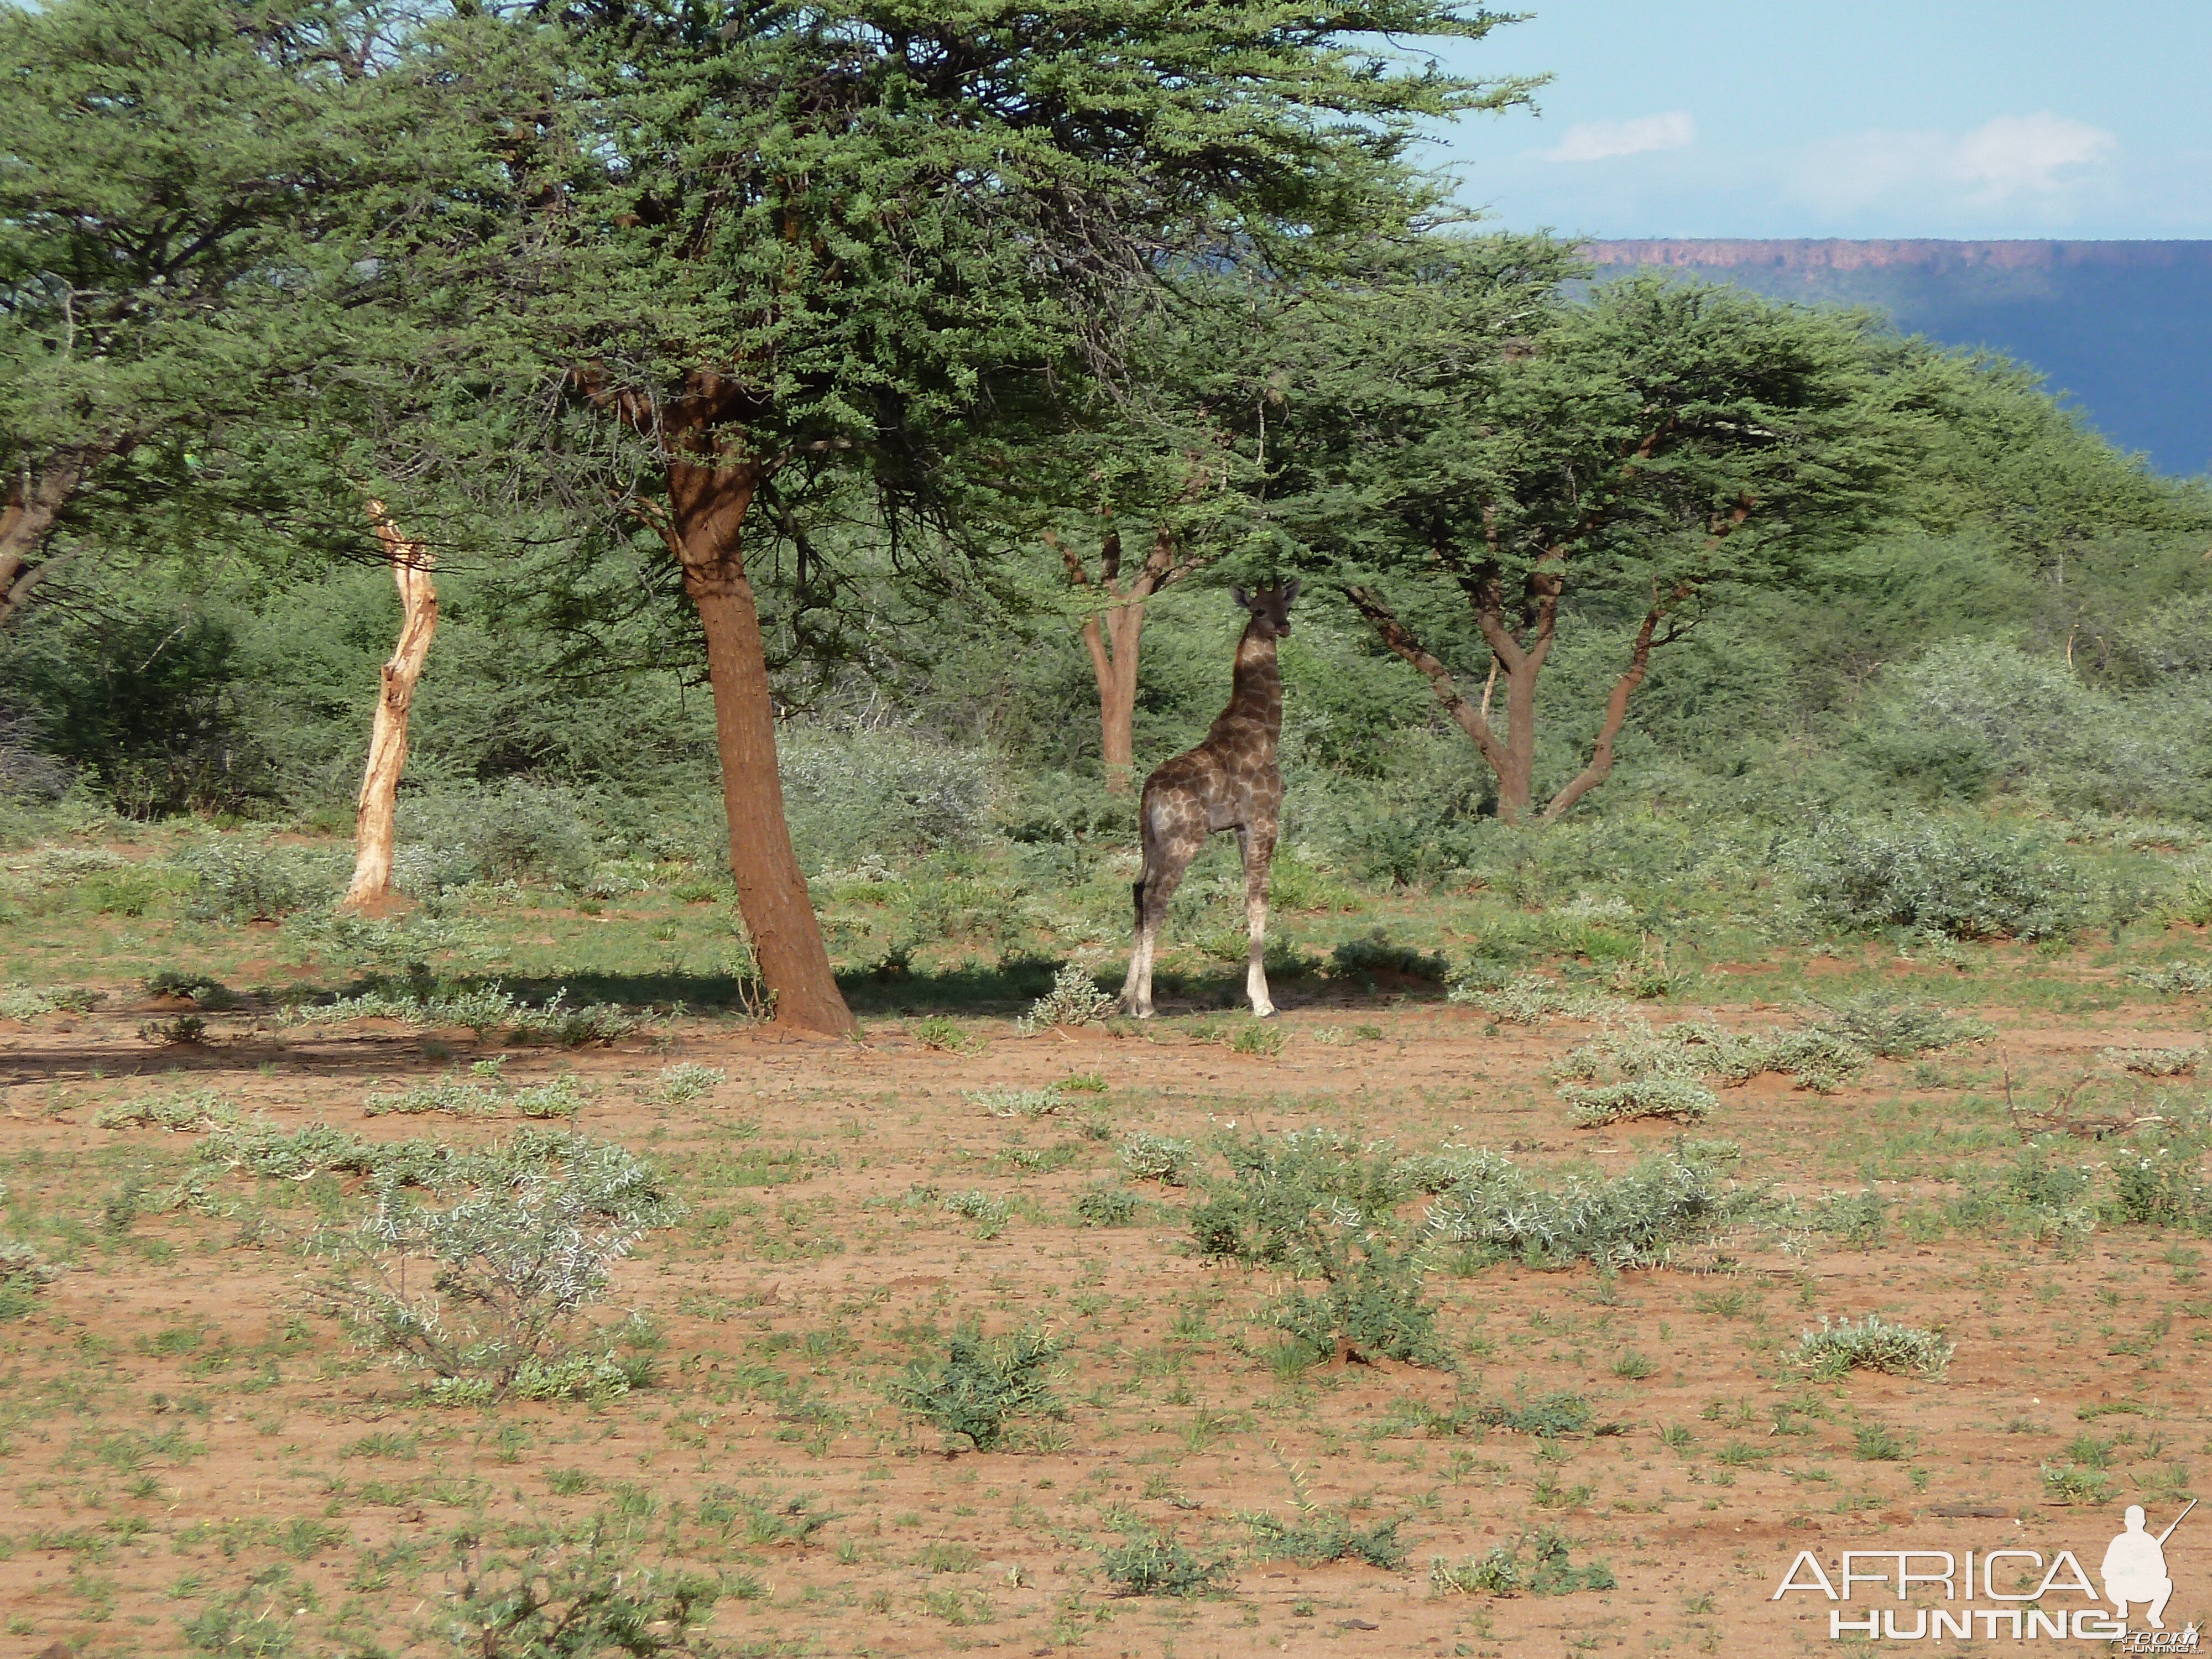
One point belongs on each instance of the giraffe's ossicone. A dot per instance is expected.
(1230, 781)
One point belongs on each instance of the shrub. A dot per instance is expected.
(236, 881)
(574, 1597)
(559, 1096)
(1639, 1097)
(1019, 1103)
(1321, 1535)
(678, 1084)
(2068, 1484)
(1551, 1571)
(514, 830)
(2157, 1186)
(21, 1002)
(190, 1113)
(988, 1213)
(512, 1264)
(23, 1274)
(482, 1009)
(1898, 1028)
(942, 1033)
(200, 989)
(982, 1383)
(1107, 1207)
(1529, 999)
(1361, 959)
(1371, 1308)
(1933, 877)
(2175, 979)
(1548, 1417)
(1149, 1156)
(1150, 1565)
(1074, 999)
(1636, 1219)
(1264, 1040)
(2154, 1062)
(1872, 1344)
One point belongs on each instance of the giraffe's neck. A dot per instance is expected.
(1254, 715)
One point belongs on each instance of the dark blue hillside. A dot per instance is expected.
(2124, 327)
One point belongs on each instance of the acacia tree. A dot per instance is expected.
(755, 236)
(173, 175)
(1463, 438)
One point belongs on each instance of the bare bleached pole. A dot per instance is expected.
(373, 829)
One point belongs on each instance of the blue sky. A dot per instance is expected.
(1971, 119)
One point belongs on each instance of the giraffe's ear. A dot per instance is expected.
(1241, 597)
(1289, 592)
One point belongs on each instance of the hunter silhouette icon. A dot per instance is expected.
(2134, 1567)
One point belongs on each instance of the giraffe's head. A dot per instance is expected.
(1270, 606)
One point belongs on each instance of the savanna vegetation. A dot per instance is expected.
(752, 490)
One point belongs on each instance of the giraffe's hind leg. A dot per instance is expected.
(1258, 847)
(1172, 838)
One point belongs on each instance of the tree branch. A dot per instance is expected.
(1400, 640)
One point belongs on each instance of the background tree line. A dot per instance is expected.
(808, 404)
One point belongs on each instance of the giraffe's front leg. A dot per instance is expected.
(1259, 849)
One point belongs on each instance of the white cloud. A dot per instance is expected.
(2018, 159)
(2019, 153)
(1600, 141)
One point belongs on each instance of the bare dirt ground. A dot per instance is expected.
(194, 1462)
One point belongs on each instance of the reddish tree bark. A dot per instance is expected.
(374, 826)
(712, 482)
(1112, 635)
(36, 496)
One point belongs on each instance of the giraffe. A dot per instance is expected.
(1230, 781)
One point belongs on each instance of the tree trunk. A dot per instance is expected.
(1113, 642)
(387, 740)
(35, 500)
(708, 504)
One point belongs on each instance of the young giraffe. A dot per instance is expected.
(1230, 781)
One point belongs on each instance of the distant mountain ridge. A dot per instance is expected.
(2125, 327)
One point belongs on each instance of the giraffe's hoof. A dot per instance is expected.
(1263, 1010)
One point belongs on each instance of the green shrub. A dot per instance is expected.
(2154, 1062)
(945, 1034)
(2175, 978)
(2067, 1484)
(2158, 1186)
(1548, 1417)
(236, 881)
(191, 1112)
(1264, 1040)
(988, 1213)
(1107, 1207)
(1871, 1344)
(1596, 1105)
(1360, 960)
(513, 830)
(677, 1084)
(1370, 1308)
(1933, 877)
(1529, 999)
(982, 1383)
(486, 1292)
(1317, 1536)
(1550, 1572)
(1897, 1027)
(1019, 1103)
(1150, 1565)
(211, 995)
(1074, 999)
(1873, 1443)
(1149, 1156)
(23, 1003)
(23, 1274)
(577, 1597)
(1636, 1219)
